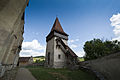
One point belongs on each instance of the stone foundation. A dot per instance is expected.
(2, 70)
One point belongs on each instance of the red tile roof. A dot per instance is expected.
(57, 27)
(24, 59)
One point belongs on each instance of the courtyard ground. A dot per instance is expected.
(41, 73)
(24, 74)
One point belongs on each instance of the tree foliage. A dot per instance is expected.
(97, 48)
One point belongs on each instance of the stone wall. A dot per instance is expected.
(55, 51)
(49, 50)
(59, 63)
(107, 67)
(11, 32)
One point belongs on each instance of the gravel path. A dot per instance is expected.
(24, 74)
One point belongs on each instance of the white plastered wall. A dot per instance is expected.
(59, 63)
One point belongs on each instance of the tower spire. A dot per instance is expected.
(57, 30)
(57, 26)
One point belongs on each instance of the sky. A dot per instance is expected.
(83, 20)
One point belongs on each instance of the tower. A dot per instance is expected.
(58, 53)
(55, 57)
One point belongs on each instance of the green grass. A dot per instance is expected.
(81, 59)
(41, 73)
(40, 59)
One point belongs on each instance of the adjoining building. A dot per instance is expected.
(25, 61)
(58, 53)
(11, 32)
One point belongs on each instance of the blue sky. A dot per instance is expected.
(83, 20)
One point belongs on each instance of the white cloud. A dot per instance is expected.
(35, 33)
(77, 40)
(115, 22)
(72, 41)
(73, 46)
(80, 53)
(117, 38)
(33, 48)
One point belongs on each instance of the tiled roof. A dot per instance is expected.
(71, 51)
(67, 48)
(57, 27)
(24, 59)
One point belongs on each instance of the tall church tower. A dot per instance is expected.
(55, 56)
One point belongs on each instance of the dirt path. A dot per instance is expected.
(24, 74)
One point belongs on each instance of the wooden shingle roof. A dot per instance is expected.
(71, 52)
(57, 27)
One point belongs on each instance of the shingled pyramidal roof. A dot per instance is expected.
(57, 27)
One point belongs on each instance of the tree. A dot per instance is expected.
(97, 48)
(94, 49)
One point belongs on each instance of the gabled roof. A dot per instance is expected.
(71, 52)
(57, 27)
(24, 59)
(57, 30)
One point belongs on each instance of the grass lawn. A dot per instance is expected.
(41, 73)
(40, 59)
(43, 58)
(81, 59)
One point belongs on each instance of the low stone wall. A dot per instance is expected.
(98, 75)
(107, 66)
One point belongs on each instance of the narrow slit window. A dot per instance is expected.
(59, 56)
(23, 16)
(48, 57)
